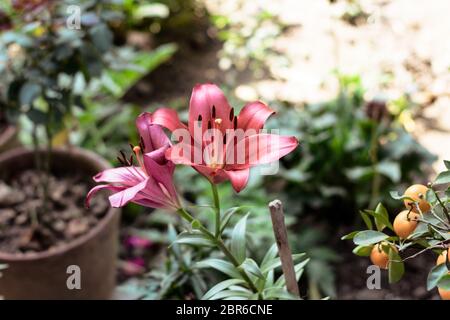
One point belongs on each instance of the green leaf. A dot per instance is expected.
(349, 236)
(28, 93)
(220, 265)
(390, 169)
(435, 275)
(251, 267)
(397, 196)
(382, 218)
(278, 293)
(366, 219)
(220, 287)
(298, 268)
(271, 254)
(444, 282)
(231, 294)
(447, 164)
(443, 178)
(368, 237)
(363, 251)
(151, 10)
(227, 216)
(276, 262)
(396, 266)
(195, 239)
(238, 240)
(118, 82)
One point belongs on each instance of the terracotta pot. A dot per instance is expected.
(8, 138)
(44, 275)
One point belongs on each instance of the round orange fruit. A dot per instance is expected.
(405, 224)
(445, 294)
(417, 192)
(379, 257)
(442, 258)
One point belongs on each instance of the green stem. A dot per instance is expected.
(444, 208)
(217, 207)
(221, 245)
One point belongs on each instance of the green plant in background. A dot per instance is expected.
(248, 41)
(353, 152)
(48, 65)
(180, 19)
(424, 226)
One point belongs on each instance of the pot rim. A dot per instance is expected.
(63, 248)
(8, 134)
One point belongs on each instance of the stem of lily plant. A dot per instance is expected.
(221, 245)
(217, 208)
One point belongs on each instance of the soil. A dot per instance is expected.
(26, 227)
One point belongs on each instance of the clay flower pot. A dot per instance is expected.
(44, 275)
(8, 138)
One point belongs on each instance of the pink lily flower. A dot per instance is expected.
(150, 183)
(215, 132)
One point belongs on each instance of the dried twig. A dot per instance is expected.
(279, 229)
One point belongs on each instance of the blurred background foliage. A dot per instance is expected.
(352, 152)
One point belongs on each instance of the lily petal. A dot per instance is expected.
(98, 188)
(168, 118)
(152, 134)
(260, 149)
(203, 98)
(254, 115)
(238, 178)
(164, 175)
(121, 198)
(126, 176)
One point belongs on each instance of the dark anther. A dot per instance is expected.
(130, 162)
(225, 138)
(235, 124)
(121, 161)
(142, 144)
(132, 147)
(231, 114)
(209, 124)
(214, 112)
(199, 118)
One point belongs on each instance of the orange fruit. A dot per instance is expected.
(405, 224)
(379, 257)
(442, 258)
(418, 193)
(445, 294)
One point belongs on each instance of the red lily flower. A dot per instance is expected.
(150, 183)
(219, 144)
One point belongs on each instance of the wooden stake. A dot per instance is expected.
(279, 229)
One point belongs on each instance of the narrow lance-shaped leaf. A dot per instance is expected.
(220, 287)
(238, 241)
(220, 265)
(251, 267)
(195, 239)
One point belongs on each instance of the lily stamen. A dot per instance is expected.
(137, 151)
